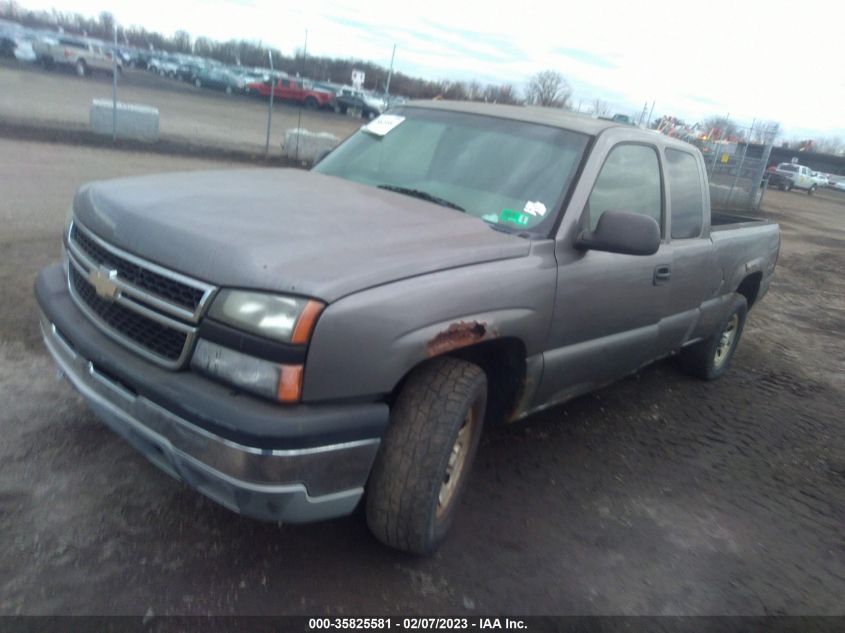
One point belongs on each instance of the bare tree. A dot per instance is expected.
(548, 88)
(182, 41)
(474, 91)
(599, 108)
(830, 145)
(765, 132)
(719, 127)
(500, 94)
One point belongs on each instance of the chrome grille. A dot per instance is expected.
(181, 294)
(159, 339)
(149, 309)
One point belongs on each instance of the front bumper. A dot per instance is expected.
(288, 482)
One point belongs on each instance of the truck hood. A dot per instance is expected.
(287, 230)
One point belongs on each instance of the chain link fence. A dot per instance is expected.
(737, 173)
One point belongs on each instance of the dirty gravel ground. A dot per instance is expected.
(658, 495)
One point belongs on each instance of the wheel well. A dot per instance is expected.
(750, 287)
(503, 360)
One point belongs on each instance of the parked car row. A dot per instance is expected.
(260, 82)
(85, 55)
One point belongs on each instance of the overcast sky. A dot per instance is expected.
(765, 60)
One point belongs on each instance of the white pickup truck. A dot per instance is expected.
(790, 176)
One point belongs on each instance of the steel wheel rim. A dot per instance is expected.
(726, 340)
(457, 462)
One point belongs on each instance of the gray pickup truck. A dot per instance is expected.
(285, 340)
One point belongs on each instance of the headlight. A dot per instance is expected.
(278, 382)
(285, 319)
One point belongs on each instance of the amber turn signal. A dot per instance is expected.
(305, 322)
(290, 383)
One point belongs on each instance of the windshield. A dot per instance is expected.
(508, 173)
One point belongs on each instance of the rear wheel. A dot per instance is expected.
(421, 469)
(311, 103)
(711, 358)
(811, 190)
(81, 67)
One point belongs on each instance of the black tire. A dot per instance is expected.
(311, 103)
(81, 67)
(701, 359)
(440, 400)
(811, 190)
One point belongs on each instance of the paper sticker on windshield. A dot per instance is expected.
(514, 217)
(537, 209)
(383, 124)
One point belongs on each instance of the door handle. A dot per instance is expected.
(662, 274)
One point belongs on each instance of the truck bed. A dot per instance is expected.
(725, 220)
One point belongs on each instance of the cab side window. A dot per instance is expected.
(629, 181)
(685, 194)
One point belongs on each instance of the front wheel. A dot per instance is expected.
(421, 469)
(311, 103)
(81, 68)
(711, 358)
(811, 190)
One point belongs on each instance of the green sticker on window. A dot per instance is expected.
(514, 217)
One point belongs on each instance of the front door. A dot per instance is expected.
(608, 305)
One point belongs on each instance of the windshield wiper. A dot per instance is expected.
(422, 195)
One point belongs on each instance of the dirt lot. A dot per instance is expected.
(658, 495)
(189, 114)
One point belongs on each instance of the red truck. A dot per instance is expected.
(293, 89)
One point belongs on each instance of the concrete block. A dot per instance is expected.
(134, 121)
(310, 144)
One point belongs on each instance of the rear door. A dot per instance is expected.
(694, 276)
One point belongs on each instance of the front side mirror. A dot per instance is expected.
(622, 232)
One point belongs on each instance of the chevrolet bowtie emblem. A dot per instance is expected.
(103, 281)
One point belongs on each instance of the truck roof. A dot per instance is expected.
(554, 117)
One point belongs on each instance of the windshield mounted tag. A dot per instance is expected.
(514, 217)
(383, 124)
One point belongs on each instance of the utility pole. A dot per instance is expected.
(270, 107)
(642, 114)
(390, 72)
(305, 54)
(299, 116)
(114, 88)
